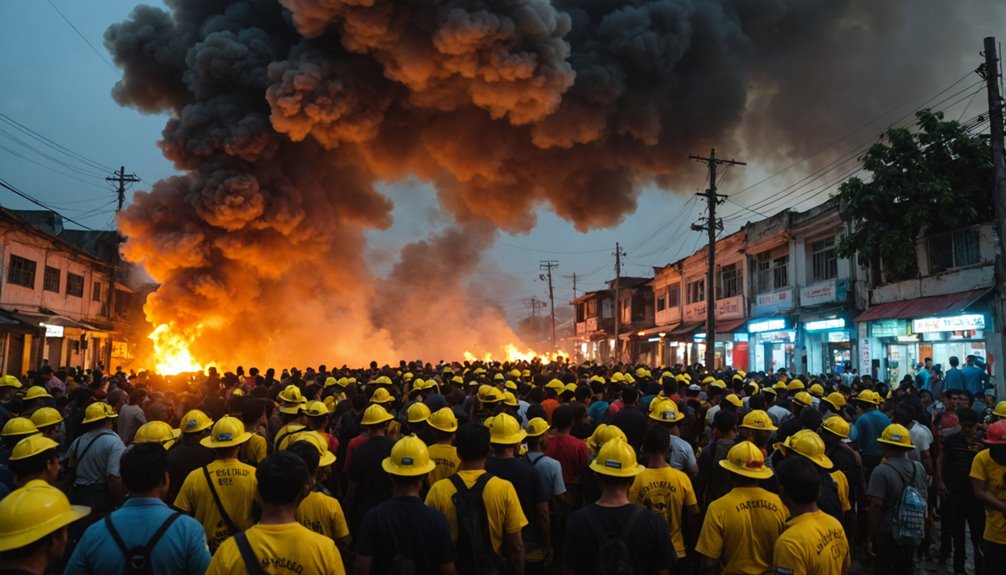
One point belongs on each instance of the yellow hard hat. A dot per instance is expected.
(708, 380)
(733, 400)
(817, 390)
(46, 416)
(375, 414)
(409, 458)
(515, 373)
(837, 426)
(10, 381)
(381, 395)
(408, 376)
(330, 402)
(458, 380)
(34, 511)
(537, 427)
(444, 420)
(325, 457)
(31, 446)
(642, 372)
(604, 433)
(195, 421)
(479, 370)
(746, 459)
(556, 385)
(227, 432)
(291, 400)
(629, 378)
(315, 409)
(755, 388)
(796, 385)
(156, 432)
(758, 419)
(869, 396)
(779, 385)
(808, 444)
(98, 411)
(616, 458)
(489, 394)
(1000, 409)
(35, 392)
(505, 430)
(770, 389)
(803, 398)
(417, 412)
(488, 422)
(510, 399)
(617, 377)
(718, 383)
(345, 381)
(510, 385)
(836, 399)
(383, 380)
(238, 392)
(330, 381)
(665, 411)
(569, 388)
(896, 435)
(497, 377)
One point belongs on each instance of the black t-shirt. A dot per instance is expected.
(958, 454)
(524, 477)
(373, 486)
(184, 459)
(648, 541)
(405, 527)
(845, 461)
(632, 422)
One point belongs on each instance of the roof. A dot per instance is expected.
(40, 220)
(924, 307)
(45, 220)
(729, 325)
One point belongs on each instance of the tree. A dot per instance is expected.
(937, 178)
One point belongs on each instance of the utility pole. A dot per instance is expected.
(618, 306)
(122, 178)
(992, 73)
(712, 226)
(547, 266)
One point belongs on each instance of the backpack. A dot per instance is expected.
(613, 554)
(909, 527)
(475, 553)
(138, 557)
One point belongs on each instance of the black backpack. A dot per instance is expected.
(138, 557)
(613, 554)
(475, 547)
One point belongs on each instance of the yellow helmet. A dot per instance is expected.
(758, 419)
(616, 458)
(896, 435)
(156, 432)
(291, 400)
(746, 459)
(665, 411)
(330, 381)
(779, 385)
(803, 398)
(617, 377)
(510, 385)
(770, 389)
(835, 399)
(505, 430)
(707, 380)
(227, 432)
(195, 421)
(808, 444)
(18, 426)
(458, 380)
(35, 392)
(642, 372)
(515, 373)
(98, 411)
(604, 433)
(31, 446)
(497, 377)
(479, 370)
(10, 381)
(796, 385)
(489, 394)
(733, 400)
(817, 390)
(836, 426)
(1000, 409)
(869, 396)
(417, 412)
(375, 414)
(409, 458)
(755, 388)
(381, 395)
(34, 511)
(408, 376)
(555, 384)
(315, 409)
(444, 420)
(718, 383)
(537, 427)
(510, 399)
(325, 457)
(46, 416)
(383, 380)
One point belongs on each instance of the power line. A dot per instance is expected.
(82, 37)
(103, 168)
(38, 203)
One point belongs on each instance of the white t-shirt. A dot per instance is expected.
(682, 456)
(922, 439)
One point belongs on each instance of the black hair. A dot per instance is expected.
(725, 420)
(799, 479)
(252, 409)
(756, 401)
(33, 465)
(562, 417)
(616, 482)
(472, 441)
(903, 414)
(281, 478)
(308, 453)
(629, 394)
(656, 440)
(964, 414)
(143, 466)
(236, 404)
(535, 410)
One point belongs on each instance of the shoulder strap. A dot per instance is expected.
(77, 458)
(161, 530)
(627, 530)
(278, 440)
(480, 483)
(534, 462)
(252, 564)
(216, 499)
(459, 484)
(116, 537)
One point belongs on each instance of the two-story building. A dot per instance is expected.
(595, 326)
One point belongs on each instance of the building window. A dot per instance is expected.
(591, 309)
(661, 302)
(627, 310)
(823, 260)
(772, 271)
(21, 272)
(954, 249)
(74, 285)
(96, 292)
(50, 281)
(673, 295)
(695, 291)
(730, 282)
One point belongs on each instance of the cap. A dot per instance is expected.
(616, 458)
(227, 432)
(758, 419)
(34, 511)
(409, 457)
(746, 459)
(995, 434)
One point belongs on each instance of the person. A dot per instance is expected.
(221, 494)
(33, 528)
(94, 458)
(503, 511)
(953, 483)
(368, 484)
(443, 423)
(47, 420)
(630, 419)
(549, 470)
(253, 416)
(319, 511)
(988, 479)
(176, 544)
(35, 457)
(954, 378)
(595, 531)
(402, 534)
(884, 494)
(975, 377)
(867, 429)
(713, 481)
(190, 454)
(833, 496)
(665, 413)
(923, 374)
(740, 529)
(131, 415)
(278, 543)
(813, 541)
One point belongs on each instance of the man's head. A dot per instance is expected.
(929, 363)
(725, 421)
(629, 395)
(799, 481)
(656, 441)
(35, 457)
(283, 479)
(472, 441)
(968, 419)
(144, 469)
(33, 522)
(562, 418)
(954, 362)
(970, 359)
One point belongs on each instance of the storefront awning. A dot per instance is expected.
(664, 329)
(730, 325)
(35, 318)
(954, 303)
(687, 329)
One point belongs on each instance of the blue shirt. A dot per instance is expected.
(181, 550)
(954, 380)
(598, 412)
(97, 461)
(974, 379)
(867, 430)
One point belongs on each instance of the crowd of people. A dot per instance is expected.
(497, 468)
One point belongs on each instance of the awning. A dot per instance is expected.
(730, 325)
(687, 329)
(665, 329)
(950, 304)
(33, 319)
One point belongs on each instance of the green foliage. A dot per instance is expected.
(937, 178)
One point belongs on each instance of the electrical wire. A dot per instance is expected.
(15, 190)
(82, 37)
(103, 168)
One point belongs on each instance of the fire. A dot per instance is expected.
(513, 354)
(171, 351)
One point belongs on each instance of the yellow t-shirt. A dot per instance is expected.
(281, 549)
(842, 486)
(254, 450)
(813, 543)
(323, 514)
(740, 529)
(285, 434)
(986, 469)
(665, 491)
(237, 489)
(446, 458)
(502, 505)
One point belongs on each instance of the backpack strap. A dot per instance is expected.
(216, 499)
(77, 458)
(534, 462)
(116, 537)
(279, 438)
(252, 564)
(150, 544)
(161, 530)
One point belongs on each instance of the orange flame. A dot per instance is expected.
(512, 353)
(171, 351)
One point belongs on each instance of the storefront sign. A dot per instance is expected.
(767, 325)
(888, 328)
(838, 336)
(970, 322)
(52, 330)
(824, 292)
(770, 302)
(730, 308)
(740, 338)
(825, 324)
(865, 365)
(695, 312)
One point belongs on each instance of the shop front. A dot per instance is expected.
(772, 342)
(828, 342)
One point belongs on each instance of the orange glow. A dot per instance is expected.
(171, 351)
(512, 353)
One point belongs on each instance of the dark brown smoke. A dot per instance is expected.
(286, 113)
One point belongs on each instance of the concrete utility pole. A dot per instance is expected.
(992, 74)
(618, 304)
(122, 178)
(712, 226)
(547, 266)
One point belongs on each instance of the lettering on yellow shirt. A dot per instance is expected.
(237, 488)
(446, 459)
(280, 549)
(740, 530)
(323, 514)
(665, 491)
(812, 543)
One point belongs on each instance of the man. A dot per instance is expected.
(757, 428)
(595, 532)
(924, 373)
(867, 429)
(714, 480)
(189, 454)
(443, 423)
(131, 415)
(402, 531)
(35, 457)
(175, 544)
(629, 418)
(502, 507)
(94, 459)
(33, 528)
(253, 416)
(571, 453)
(975, 377)
(953, 482)
(954, 378)
(813, 542)
(740, 529)
(884, 494)
(369, 486)
(833, 496)
(988, 478)
(922, 438)
(681, 456)
(221, 494)
(278, 543)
